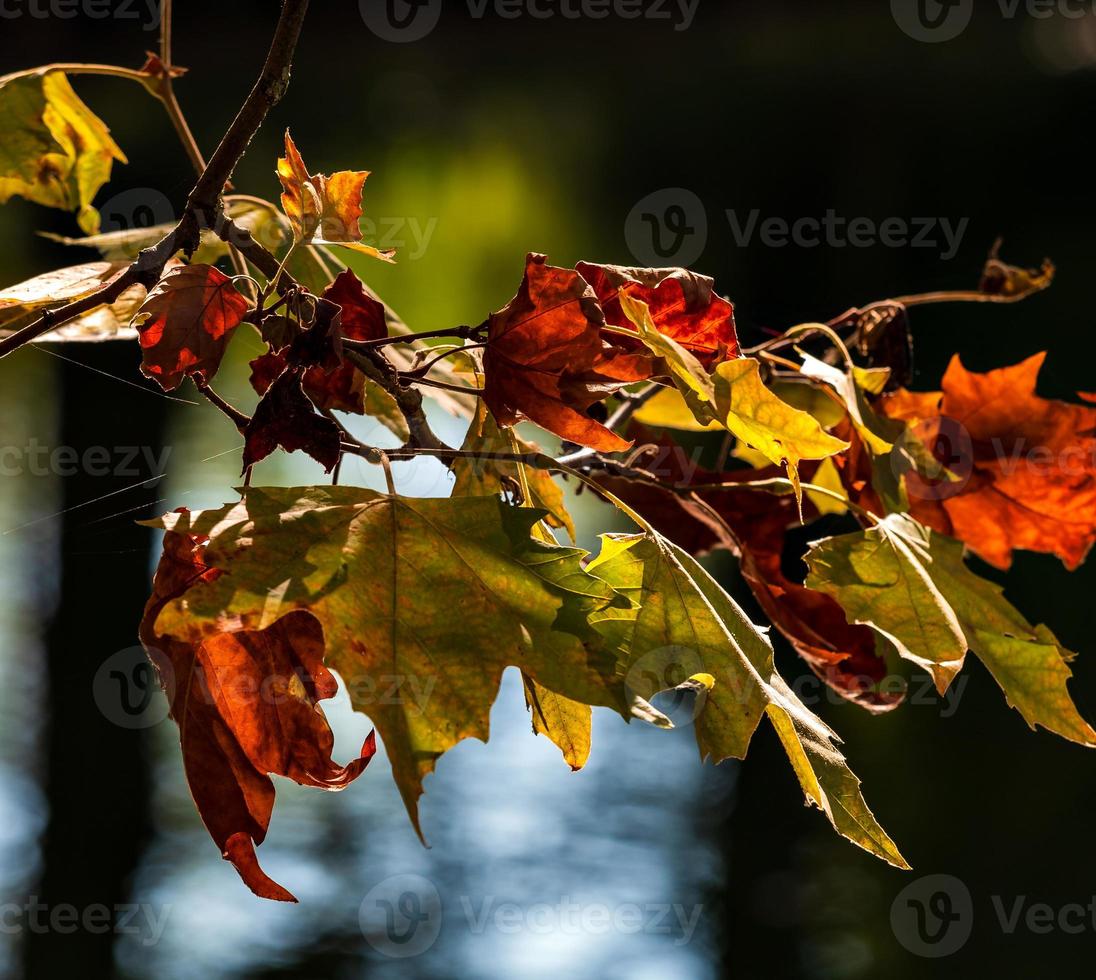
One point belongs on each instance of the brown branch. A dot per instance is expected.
(267, 93)
(234, 415)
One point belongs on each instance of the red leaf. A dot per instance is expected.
(340, 389)
(247, 705)
(683, 305)
(186, 322)
(285, 417)
(547, 361)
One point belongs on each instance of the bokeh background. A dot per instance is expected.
(494, 136)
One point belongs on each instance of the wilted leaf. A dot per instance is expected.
(56, 151)
(1027, 465)
(27, 301)
(324, 210)
(546, 359)
(286, 418)
(247, 705)
(566, 723)
(186, 323)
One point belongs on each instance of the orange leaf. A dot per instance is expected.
(1027, 465)
(684, 307)
(247, 705)
(186, 322)
(546, 358)
(321, 208)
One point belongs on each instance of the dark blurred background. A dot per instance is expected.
(488, 137)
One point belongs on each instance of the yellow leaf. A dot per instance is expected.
(56, 151)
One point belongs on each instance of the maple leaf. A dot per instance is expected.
(446, 593)
(1027, 464)
(186, 322)
(681, 622)
(943, 609)
(546, 359)
(323, 210)
(286, 418)
(754, 526)
(247, 705)
(683, 306)
(56, 151)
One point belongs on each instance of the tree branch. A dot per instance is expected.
(204, 200)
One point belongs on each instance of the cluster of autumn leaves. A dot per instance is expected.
(255, 603)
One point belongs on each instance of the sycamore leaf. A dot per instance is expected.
(484, 476)
(1027, 464)
(683, 305)
(247, 705)
(186, 323)
(881, 579)
(323, 210)
(683, 625)
(444, 594)
(1027, 661)
(876, 433)
(286, 418)
(546, 359)
(56, 151)
(754, 526)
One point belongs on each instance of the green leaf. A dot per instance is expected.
(940, 594)
(682, 626)
(881, 579)
(440, 595)
(56, 151)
